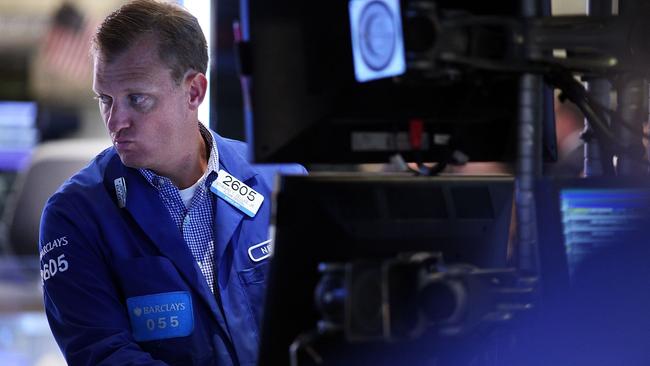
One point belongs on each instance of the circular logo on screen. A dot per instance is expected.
(377, 35)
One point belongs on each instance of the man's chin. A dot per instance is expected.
(131, 162)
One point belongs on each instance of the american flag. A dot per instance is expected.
(66, 44)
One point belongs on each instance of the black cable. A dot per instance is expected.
(482, 20)
(600, 132)
(575, 92)
(491, 65)
(437, 169)
(619, 119)
(305, 341)
(599, 110)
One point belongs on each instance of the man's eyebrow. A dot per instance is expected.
(141, 88)
(137, 90)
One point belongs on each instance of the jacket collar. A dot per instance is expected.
(232, 160)
(227, 217)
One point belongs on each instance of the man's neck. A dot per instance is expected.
(192, 166)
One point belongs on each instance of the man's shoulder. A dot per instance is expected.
(93, 173)
(240, 148)
(87, 182)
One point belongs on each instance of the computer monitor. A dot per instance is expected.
(580, 220)
(593, 245)
(18, 134)
(325, 218)
(310, 104)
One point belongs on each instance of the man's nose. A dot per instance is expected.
(118, 118)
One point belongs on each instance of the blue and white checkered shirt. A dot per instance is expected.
(196, 221)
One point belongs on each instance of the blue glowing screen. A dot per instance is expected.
(18, 133)
(595, 219)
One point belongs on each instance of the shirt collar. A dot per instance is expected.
(213, 160)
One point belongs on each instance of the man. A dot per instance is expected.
(155, 253)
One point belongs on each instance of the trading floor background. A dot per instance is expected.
(50, 127)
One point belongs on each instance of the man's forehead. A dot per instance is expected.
(130, 70)
(135, 73)
(140, 62)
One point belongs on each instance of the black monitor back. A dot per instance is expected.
(307, 106)
(333, 218)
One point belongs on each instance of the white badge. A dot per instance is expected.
(261, 251)
(237, 193)
(120, 191)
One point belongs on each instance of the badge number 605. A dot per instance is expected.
(52, 267)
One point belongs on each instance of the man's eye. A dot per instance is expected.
(104, 100)
(137, 99)
(141, 102)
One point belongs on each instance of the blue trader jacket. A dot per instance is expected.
(121, 286)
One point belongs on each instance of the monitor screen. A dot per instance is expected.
(580, 220)
(593, 245)
(334, 82)
(596, 219)
(18, 133)
(337, 219)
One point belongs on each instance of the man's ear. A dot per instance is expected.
(197, 86)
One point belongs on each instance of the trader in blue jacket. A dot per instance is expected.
(155, 253)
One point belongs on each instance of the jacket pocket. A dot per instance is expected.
(253, 284)
(155, 276)
(148, 275)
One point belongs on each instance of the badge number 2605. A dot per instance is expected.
(237, 193)
(237, 186)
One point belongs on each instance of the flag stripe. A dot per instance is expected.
(65, 50)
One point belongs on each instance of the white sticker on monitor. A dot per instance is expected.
(377, 40)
